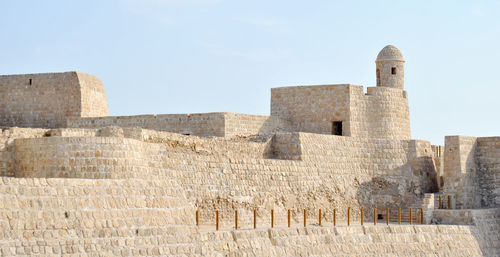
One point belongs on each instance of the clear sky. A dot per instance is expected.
(188, 56)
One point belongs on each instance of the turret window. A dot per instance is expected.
(393, 70)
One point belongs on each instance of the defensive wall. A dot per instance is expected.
(222, 124)
(46, 100)
(380, 113)
(472, 171)
(137, 217)
(245, 173)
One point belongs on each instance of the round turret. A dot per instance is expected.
(390, 68)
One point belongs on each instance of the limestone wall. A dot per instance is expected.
(134, 217)
(313, 108)
(7, 149)
(202, 124)
(330, 172)
(245, 125)
(380, 113)
(46, 100)
(486, 226)
(460, 172)
(488, 157)
(54, 217)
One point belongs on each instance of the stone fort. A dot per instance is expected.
(78, 182)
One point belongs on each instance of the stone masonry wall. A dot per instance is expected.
(235, 174)
(380, 113)
(247, 125)
(488, 157)
(460, 172)
(83, 217)
(202, 124)
(313, 108)
(46, 100)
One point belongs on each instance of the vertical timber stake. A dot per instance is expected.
(440, 203)
(236, 219)
(387, 216)
(197, 218)
(319, 217)
(288, 218)
(361, 216)
(305, 218)
(399, 216)
(375, 216)
(254, 219)
(449, 201)
(411, 217)
(216, 220)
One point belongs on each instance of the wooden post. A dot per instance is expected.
(421, 216)
(305, 218)
(272, 218)
(411, 218)
(399, 216)
(362, 216)
(348, 216)
(254, 219)
(334, 217)
(319, 217)
(235, 219)
(387, 216)
(288, 218)
(197, 218)
(440, 203)
(375, 216)
(216, 220)
(449, 201)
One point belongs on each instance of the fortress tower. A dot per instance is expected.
(390, 68)
(345, 109)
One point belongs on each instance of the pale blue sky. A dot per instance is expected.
(174, 56)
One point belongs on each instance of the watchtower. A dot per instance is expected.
(390, 68)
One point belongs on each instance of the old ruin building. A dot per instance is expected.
(76, 181)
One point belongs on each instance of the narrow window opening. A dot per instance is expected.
(186, 134)
(31, 81)
(66, 215)
(337, 128)
(380, 217)
(393, 70)
(378, 77)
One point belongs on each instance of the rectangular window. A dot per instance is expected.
(393, 70)
(337, 128)
(31, 81)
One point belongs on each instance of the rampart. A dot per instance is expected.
(46, 100)
(227, 173)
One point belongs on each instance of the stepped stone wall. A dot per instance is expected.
(380, 113)
(46, 100)
(216, 173)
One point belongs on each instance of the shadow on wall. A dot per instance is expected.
(395, 192)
